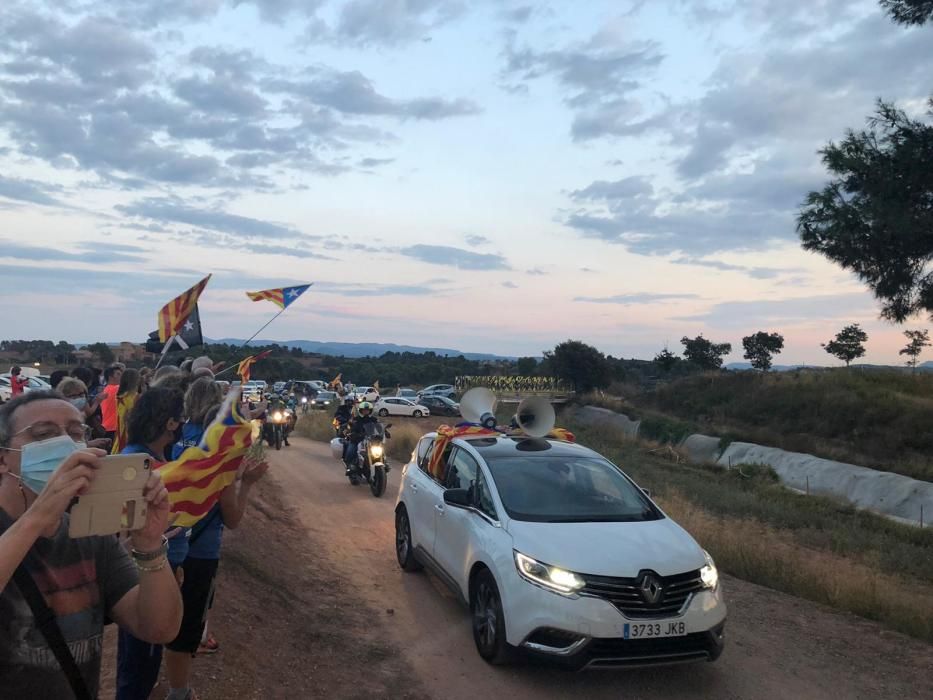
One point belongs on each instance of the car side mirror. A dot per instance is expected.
(459, 498)
(647, 492)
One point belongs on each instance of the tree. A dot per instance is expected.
(761, 347)
(102, 351)
(666, 360)
(848, 343)
(704, 353)
(579, 364)
(917, 340)
(909, 11)
(875, 216)
(526, 366)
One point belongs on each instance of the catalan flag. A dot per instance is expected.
(125, 404)
(445, 434)
(194, 480)
(243, 369)
(173, 315)
(280, 297)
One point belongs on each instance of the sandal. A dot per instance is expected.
(211, 646)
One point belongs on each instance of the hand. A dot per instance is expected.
(71, 478)
(149, 538)
(254, 473)
(100, 443)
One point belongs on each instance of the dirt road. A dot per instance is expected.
(778, 646)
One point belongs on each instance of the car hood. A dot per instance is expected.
(609, 549)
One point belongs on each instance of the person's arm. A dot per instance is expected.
(235, 498)
(151, 610)
(45, 514)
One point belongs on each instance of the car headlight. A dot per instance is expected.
(551, 577)
(709, 574)
(376, 451)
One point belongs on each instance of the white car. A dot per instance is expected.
(558, 553)
(366, 393)
(33, 384)
(393, 406)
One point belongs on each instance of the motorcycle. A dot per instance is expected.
(305, 405)
(277, 427)
(371, 464)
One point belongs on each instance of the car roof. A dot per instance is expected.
(501, 446)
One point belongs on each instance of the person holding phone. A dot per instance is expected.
(82, 581)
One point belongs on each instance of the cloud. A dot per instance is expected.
(455, 257)
(172, 210)
(30, 191)
(636, 298)
(392, 22)
(510, 285)
(750, 270)
(626, 188)
(475, 240)
(775, 312)
(94, 252)
(375, 162)
(432, 287)
(536, 272)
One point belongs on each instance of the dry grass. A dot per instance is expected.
(755, 552)
(315, 425)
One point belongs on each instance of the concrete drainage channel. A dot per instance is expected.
(893, 495)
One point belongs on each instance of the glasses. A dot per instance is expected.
(44, 430)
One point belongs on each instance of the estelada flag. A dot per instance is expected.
(194, 480)
(173, 315)
(243, 369)
(125, 404)
(280, 297)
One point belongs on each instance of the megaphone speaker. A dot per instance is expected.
(535, 417)
(478, 406)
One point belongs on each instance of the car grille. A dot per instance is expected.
(607, 653)
(626, 594)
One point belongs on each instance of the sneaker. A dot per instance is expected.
(210, 646)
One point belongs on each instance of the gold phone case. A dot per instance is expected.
(114, 501)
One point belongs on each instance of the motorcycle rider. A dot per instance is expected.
(344, 412)
(276, 403)
(364, 416)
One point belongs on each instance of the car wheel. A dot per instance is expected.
(404, 550)
(488, 620)
(383, 412)
(417, 414)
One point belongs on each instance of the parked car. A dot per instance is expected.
(447, 390)
(409, 394)
(558, 554)
(34, 383)
(392, 406)
(325, 400)
(278, 387)
(366, 393)
(441, 405)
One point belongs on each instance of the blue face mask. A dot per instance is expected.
(79, 402)
(40, 459)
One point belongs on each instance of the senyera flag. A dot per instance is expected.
(281, 297)
(173, 315)
(194, 480)
(243, 369)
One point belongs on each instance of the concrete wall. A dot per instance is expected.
(883, 492)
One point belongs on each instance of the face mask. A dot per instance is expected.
(80, 403)
(40, 459)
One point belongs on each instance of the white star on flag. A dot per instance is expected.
(189, 326)
(292, 293)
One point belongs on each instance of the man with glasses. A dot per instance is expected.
(82, 581)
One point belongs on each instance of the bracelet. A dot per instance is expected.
(153, 555)
(151, 568)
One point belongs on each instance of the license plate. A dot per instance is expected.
(650, 630)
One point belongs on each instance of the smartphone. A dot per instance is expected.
(114, 500)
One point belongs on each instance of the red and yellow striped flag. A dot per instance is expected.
(173, 315)
(194, 480)
(125, 404)
(281, 297)
(444, 435)
(243, 369)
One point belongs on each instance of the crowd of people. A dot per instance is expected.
(157, 584)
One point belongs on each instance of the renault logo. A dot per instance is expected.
(651, 589)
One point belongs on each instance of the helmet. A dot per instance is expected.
(349, 401)
(365, 406)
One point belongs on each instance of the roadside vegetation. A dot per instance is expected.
(812, 547)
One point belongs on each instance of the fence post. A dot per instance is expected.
(808, 484)
(921, 516)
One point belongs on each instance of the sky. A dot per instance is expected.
(487, 175)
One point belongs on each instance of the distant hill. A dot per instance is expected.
(362, 349)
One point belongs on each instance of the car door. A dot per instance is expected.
(454, 526)
(424, 493)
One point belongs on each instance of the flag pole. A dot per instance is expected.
(168, 344)
(264, 327)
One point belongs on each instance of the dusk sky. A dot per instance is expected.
(487, 175)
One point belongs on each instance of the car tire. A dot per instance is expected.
(417, 414)
(488, 620)
(383, 412)
(404, 549)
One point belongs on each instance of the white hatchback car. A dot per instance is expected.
(395, 406)
(559, 553)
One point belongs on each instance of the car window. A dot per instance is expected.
(484, 497)
(424, 450)
(461, 470)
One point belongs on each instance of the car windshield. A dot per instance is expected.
(554, 489)
(325, 395)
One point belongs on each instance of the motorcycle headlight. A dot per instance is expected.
(551, 577)
(376, 451)
(709, 574)
(277, 415)
(304, 399)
